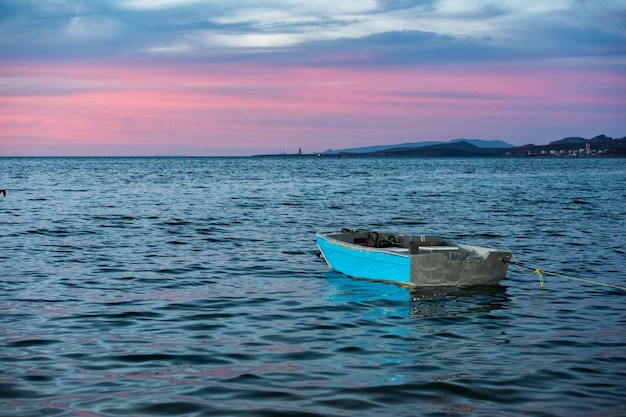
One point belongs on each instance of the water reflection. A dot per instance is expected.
(453, 301)
(426, 302)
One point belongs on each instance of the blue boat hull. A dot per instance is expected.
(403, 260)
(364, 262)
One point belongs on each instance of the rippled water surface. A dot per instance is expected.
(192, 287)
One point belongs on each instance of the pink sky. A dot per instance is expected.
(95, 84)
(237, 110)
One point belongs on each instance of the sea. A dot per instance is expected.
(180, 286)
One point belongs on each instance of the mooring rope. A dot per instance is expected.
(540, 272)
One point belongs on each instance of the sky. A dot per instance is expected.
(246, 77)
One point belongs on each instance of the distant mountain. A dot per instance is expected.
(479, 143)
(368, 149)
(572, 146)
(570, 141)
(599, 146)
(486, 143)
(455, 148)
(458, 148)
(581, 141)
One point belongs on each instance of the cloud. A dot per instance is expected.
(403, 32)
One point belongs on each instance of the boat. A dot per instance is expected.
(415, 260)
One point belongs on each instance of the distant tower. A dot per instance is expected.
(588, 148)
(299, 151)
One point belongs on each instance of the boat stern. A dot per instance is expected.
(440, 269)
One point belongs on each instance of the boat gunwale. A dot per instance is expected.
(459, 246)
(354, 246)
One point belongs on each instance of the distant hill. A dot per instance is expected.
(571, 146)
(456, 148)
(412, 145)
(601, 145)
(569, 141)
(459, 148)
(486, 143)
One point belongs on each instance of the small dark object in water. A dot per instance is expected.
(3, 192)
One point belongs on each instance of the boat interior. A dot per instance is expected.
(396, 242)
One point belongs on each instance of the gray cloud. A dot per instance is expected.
(406, 5)
(407, 32)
